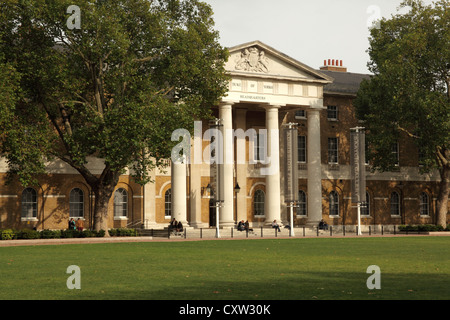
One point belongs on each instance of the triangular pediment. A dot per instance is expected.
(257, 59)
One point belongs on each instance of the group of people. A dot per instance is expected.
(79, 225)
(243, 226)
(176, 226)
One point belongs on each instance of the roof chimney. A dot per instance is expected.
(333, 65)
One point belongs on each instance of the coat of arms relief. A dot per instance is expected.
(253, 59)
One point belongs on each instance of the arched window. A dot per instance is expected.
(76, 203)
(120, 203)
(301, 210)
(29, 203)
(168, 203)
(259, 200)
(334, 203)
(395, 204)
(424, 204)
(365, 210)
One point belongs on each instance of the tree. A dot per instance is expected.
(408, 95)
(115, 88)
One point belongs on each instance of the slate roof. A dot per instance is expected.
(345, 83)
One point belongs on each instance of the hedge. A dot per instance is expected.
(11, 234)
(423, 228)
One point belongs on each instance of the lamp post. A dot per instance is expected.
(236, 190)
(291, 170)
(219, 160)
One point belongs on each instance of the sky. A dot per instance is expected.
(309, 31)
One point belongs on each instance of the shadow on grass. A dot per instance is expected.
(301, 286)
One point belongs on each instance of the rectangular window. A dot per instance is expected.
(333, 150)
(332, 113)
(395, 153)
(300, 114)
(260, 146)
(301, 143)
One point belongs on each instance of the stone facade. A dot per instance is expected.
(267, 90)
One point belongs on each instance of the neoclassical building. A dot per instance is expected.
(267, 90)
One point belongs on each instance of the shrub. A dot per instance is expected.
(28, 234)
(421, 228)
(8, 234)
(50, 234)
(123, 232)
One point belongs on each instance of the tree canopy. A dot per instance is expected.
(115, 88)
(408, 94)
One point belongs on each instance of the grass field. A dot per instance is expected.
(289, 269)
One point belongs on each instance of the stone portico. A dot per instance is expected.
(262, 80)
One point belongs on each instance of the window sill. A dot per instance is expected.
(29, 219)
(120, 218)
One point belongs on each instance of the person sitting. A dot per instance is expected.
(173, 224)
(323, 225)
(240, 226)
(247, 226)
(180, 227)
(275, 225)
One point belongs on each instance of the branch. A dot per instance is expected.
(441, 157)
(407, 132)
(146, 59)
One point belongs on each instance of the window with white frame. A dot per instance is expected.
(334, 203)
(29, 203)
(365, 210)
(260, 146)
(120, 203)
(332, 113)
(395, 204)
(302, 205)
(301, 144)
(333, 150)
(424, 204)
(300, 114)
(259, 200)
(395, 153)
(76, 203)
(168, 203)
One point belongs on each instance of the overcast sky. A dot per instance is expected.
(309, 31)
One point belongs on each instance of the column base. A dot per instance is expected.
(226, 224)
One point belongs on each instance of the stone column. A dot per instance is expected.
(179, 204)
(241, 168)
(272, 169)
(314, 168)
(149, 203)
(195, 178)
(226, 212)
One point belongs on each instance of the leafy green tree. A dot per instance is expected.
(408, 95)
(115, 88)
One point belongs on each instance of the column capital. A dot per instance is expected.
(224, 103)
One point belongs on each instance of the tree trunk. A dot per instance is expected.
(442, 200)
(101, 211)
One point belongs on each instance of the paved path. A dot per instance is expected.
(35, 242)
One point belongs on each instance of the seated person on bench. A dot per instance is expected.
(323, 225)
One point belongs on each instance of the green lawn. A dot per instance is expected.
(288, 269)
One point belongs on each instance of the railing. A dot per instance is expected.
(268, 232)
